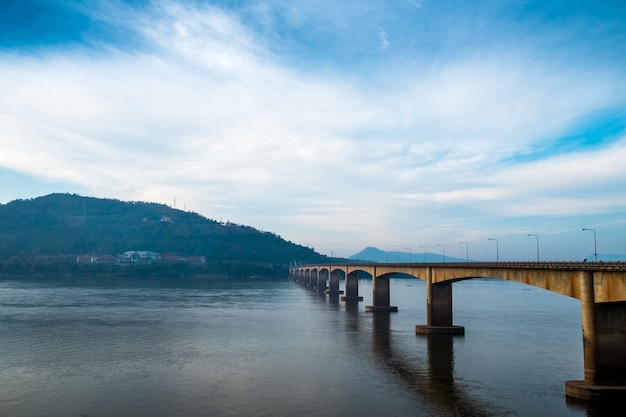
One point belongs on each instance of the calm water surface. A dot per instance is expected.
(185, 347)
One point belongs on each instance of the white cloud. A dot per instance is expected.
(208, 114)
(384, 42)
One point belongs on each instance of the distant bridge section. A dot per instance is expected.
(600, 287)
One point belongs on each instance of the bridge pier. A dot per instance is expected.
(604, 342)
(322, 276)
(352, 287)
(381, 295)
(438, 309)
(333, 283)
(307, 278)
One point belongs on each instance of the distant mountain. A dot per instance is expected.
(371, 254)
(70, 225)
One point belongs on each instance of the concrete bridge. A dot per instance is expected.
(600, 287)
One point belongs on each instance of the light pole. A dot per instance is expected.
(466, 251)
(409, 249)
(444, 251)
(537, 236)
(497, 249)
(595, 246)
(424, 253)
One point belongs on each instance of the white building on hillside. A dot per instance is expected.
(138, 257)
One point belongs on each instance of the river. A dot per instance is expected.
(198, 347)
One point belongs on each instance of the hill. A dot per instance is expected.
(58, 228)
(371, 254)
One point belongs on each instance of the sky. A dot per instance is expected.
(407, 125)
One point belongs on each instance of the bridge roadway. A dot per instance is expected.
(600, 287)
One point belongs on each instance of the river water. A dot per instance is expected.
(193, 347)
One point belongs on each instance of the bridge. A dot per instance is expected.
(600, 287)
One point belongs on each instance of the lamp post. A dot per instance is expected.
(466, 251)
(424, 253)
(537, 236)
(595, 246)
(497, 250)
(444, 251)
(409, 249)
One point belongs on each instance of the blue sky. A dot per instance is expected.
(337, 125)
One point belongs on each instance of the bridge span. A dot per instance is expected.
(600, 287)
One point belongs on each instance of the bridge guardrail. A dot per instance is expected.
(564, 265)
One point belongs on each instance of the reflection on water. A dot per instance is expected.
(436, 382)
(552, 319)
(441, 358)
(222, 348)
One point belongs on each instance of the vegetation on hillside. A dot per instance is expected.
(49, 231)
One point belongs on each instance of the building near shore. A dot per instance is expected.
(138, 257)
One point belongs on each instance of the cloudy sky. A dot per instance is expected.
(400, 124)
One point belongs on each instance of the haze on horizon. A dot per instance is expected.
(397, 124)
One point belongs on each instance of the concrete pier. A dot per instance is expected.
(438, 309)
(322, 278)
(381, 295)
(604, 338)
(333, 283)
(352, 287)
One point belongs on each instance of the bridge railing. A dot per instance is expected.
(563, 265)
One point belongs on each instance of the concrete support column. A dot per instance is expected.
(352, 287)
(381, 295)
(439, 305)
(313, 278)
(604, 346)
(610, 351)
(333, 283)
(438, 308)
(322, 277)
(588, 319)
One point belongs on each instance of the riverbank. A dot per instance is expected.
(210, 270)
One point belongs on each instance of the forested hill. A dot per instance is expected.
(69, 224)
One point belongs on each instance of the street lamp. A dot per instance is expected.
(497, 249)
(424, 253)
(595, 246)
(444, 250)
(466, 251)
(537, 236)
(409, 249)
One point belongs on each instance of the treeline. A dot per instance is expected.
(222, 270)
